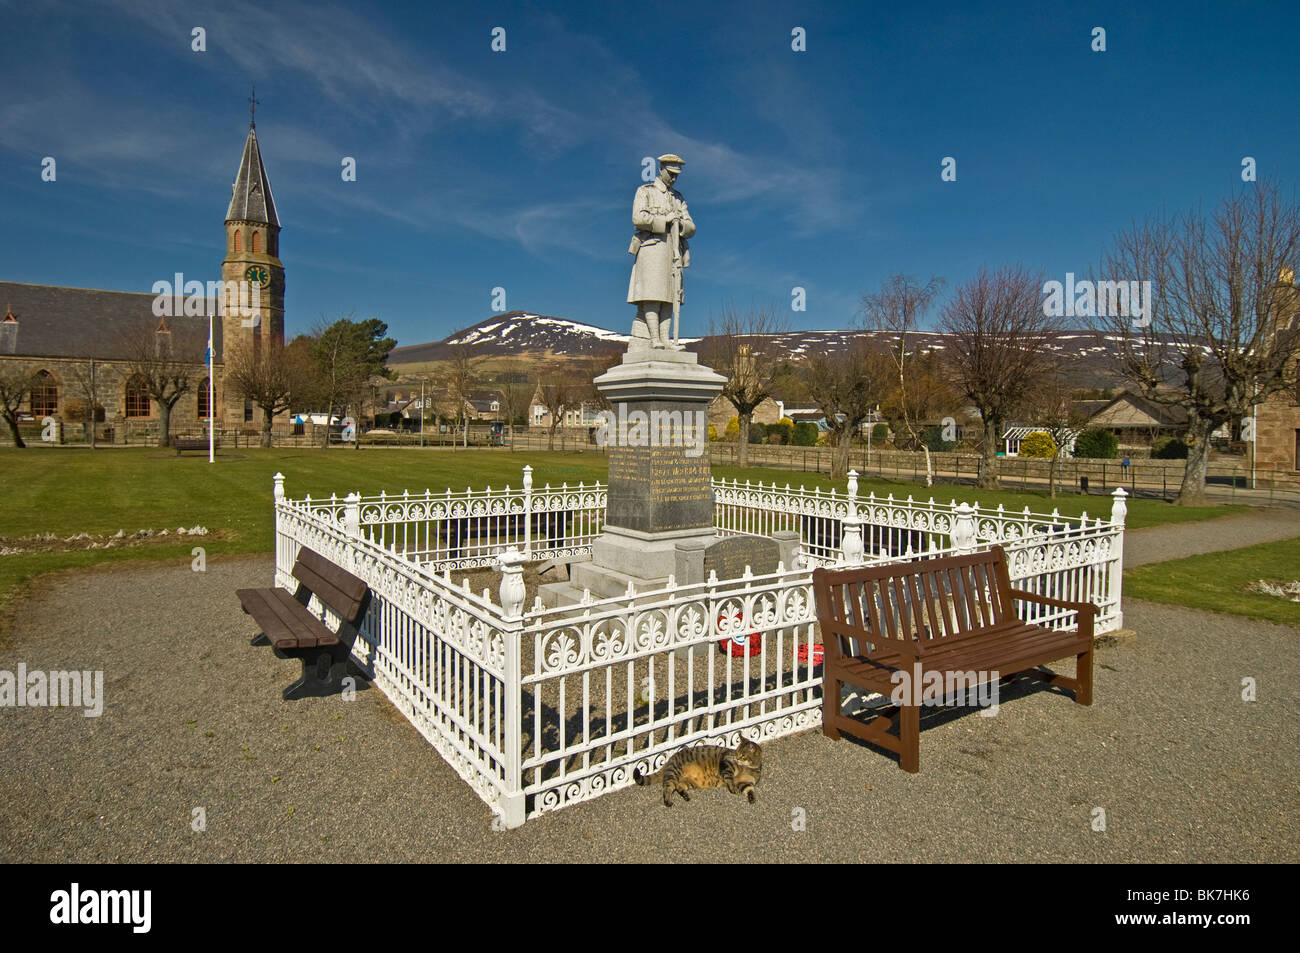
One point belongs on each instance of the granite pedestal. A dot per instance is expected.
(659, 517)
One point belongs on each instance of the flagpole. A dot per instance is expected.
(211, 393)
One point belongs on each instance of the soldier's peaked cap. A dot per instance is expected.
(671, 159)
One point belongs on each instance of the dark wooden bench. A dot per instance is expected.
(290, 628)
(953, 614)
(193, 443)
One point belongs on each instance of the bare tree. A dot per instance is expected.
(558, 393)
(894, 312)
(846, 384)
(516, 388)
(462, 379)
(997, 346)
(86, 384)
(15, 385)
(275, 382)
(1224, 317)
(165, 375)
(1053, 410)
(742, 348)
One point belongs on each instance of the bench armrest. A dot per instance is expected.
(1079, 607)
(831, 631)
(1086, 610)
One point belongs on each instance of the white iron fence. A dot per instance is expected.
(543, 708)
(467, 529)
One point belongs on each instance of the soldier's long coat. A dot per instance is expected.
(652, 274)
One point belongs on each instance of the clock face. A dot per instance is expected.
(259, 274)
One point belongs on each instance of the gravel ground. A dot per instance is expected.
(1156, 544)
(1183, 768)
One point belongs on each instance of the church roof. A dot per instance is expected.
(86, 323)
(250, 194)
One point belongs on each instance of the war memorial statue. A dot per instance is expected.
(659, 513)
(663, 224)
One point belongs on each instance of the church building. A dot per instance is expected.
(85, 348)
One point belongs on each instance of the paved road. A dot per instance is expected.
(1184, 770)
(1176, 540)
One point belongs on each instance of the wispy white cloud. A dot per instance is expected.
(389, 95)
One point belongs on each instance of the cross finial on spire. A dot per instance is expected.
(252, 106)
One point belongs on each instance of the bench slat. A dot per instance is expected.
(1004, 657)
(256, 603)
(330, 595)
(286, 623)
(308, 631)
(302, 629)
(984, 649)
(334, 586)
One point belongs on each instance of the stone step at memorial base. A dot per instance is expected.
(603, 582)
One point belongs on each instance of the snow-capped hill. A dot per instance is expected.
(520, 332)
(1087, 358)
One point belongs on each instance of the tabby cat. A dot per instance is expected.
(710, 766)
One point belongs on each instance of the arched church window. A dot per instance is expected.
(45, 395)
(137, 397)
(257, 243)
(202, 410)
(239, 242)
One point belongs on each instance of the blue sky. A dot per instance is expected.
(478, 169)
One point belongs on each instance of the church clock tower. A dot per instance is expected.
(252, 256)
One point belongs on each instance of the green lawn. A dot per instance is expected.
(1217, 581)
(69, 491)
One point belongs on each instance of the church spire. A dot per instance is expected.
(250, 195)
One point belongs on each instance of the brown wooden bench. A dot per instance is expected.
(291, 629)
(945, 615)
(193, 443)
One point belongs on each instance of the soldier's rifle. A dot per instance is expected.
(677, 276)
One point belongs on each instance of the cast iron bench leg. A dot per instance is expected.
(259, 639)
(323, 670)
(313, 683)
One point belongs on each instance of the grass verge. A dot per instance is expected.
(64, 492)
(1217, 581)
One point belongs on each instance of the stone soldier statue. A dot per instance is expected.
(663, 224)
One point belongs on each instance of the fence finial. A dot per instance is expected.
(853, 484)
(528, 478)
(352, 514)
(851, 548)
(279, 486)
(1119, 509)
(963, 528)
(512, 590)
